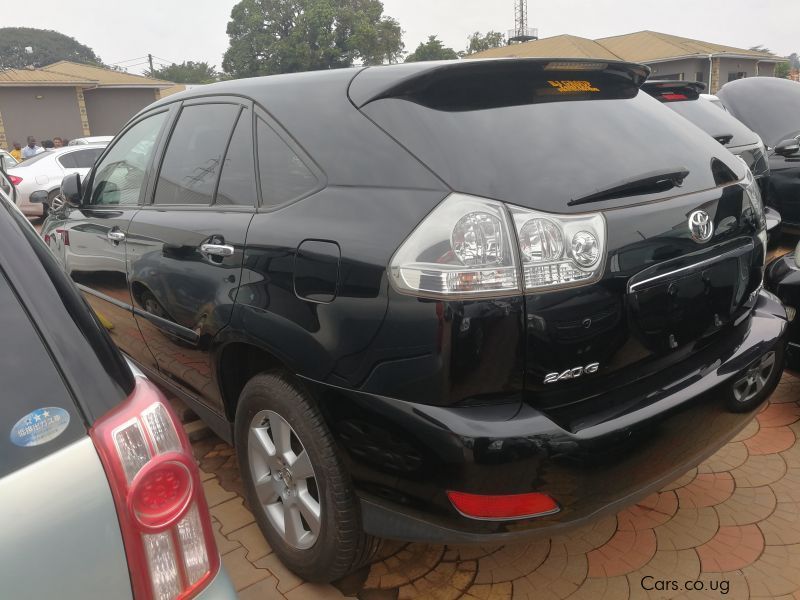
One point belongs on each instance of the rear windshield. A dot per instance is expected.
(37, 414)
(544, 155)
(714, 121)
(767, 105)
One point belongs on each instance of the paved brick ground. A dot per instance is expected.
(732, 523)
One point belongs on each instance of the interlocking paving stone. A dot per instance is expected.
(771, 440)
(707, 489)
(727, 458)
(689, 528)
(232, 515)
(215, 494)
(624, 553)
(287, 580)
(759, 470)
(241, 571)
(251, 538)
(732, 548)
(266, 589)
(747, 505)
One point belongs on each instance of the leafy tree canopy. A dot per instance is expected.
(782, 69)
(433, 49)
(479, 42)
(186, 72)
(46, 47)
(287, 36)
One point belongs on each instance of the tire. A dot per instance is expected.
(339, 545)
(768, 382)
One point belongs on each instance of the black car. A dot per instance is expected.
(771, 107)
(684, 97)
(459, 302)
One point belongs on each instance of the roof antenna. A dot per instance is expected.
(521, 32)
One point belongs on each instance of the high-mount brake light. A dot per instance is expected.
(163, 515)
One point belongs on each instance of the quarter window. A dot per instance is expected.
(119, 177)
(284, 176)
(193, 158)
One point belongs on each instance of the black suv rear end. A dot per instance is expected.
(472, 301)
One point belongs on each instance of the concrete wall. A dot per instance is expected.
(43, 112)
(689, 67)
(109, 109)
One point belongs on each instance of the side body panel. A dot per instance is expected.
(60, 536)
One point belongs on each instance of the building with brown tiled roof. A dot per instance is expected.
(669, 56)
(70, 100)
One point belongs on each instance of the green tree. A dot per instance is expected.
(287, 36)
(794, 60)
(782, 69)
(433, 49)
(479, 42)
(186, 72)
(46, 47)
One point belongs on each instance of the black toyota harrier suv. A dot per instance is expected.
(459, 302)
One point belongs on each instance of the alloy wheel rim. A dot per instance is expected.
(754, 382)
(284, 480)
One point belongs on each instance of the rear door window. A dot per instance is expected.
(82, 159)
(35, 403)
(193, 159)
(237, 185)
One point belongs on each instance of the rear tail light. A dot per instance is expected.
(156, 486)
(464, 248)
(515, 506)
(14, 179)
(64, 233)
(467, 248)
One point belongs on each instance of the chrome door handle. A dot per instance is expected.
(217, 249)
(115, 235)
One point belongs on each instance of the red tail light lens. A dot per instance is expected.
(156, 486)
(517, 506)
(64, 233)
(674, 97)
(14, 179)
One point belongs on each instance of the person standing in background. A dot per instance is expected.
(17, 151)
(58, 142)
(31, 149)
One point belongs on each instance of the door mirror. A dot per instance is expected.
(39, 196)
(71, 189)
(787, 147)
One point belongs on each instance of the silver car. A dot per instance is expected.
(100, 496)
(46, 170)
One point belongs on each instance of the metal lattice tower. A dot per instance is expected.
(521, 32)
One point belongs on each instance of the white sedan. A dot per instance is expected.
(46, 170)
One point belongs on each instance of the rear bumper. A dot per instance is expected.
(404, 456)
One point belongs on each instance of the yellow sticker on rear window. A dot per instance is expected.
(573, 87)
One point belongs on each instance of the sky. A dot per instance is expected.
(178, 30)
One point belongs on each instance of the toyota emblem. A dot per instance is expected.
(701, 226)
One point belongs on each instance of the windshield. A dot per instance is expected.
(767, 105)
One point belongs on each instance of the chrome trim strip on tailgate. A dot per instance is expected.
(694, 266)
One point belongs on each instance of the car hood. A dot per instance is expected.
(767, 105)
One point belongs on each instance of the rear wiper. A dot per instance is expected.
(649, 183)
(724, 138)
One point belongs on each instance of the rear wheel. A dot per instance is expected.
(300, 495)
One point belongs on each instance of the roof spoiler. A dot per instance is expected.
(671, 91)
(493, 83)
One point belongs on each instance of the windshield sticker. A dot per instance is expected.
(574, 87)
(39, 427)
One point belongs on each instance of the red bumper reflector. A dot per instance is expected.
(516, 506)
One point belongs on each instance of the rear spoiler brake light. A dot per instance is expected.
(479, 84)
